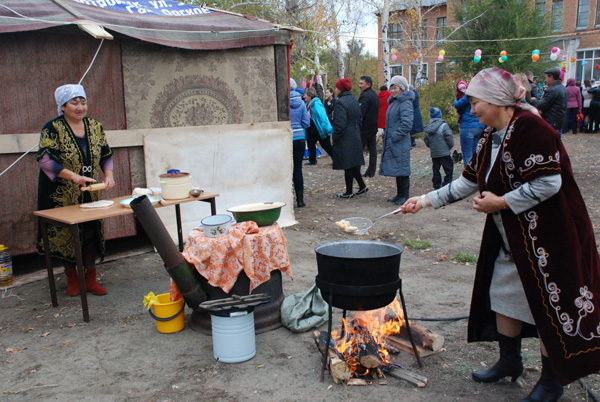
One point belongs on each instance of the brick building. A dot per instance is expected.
(576, 22)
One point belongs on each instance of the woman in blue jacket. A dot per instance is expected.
(319, 118)
(299, 120)
(470, 128)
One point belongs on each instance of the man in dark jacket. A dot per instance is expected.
(535, 92)
(369, 106)
(553, 104)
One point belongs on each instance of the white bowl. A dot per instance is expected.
(217, 225)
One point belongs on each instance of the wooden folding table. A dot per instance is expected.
(71, 216)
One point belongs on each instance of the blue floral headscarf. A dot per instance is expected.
(67, 92)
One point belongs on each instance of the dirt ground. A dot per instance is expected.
(51, 354)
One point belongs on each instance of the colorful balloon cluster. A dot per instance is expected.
(535, 55)
(477, 56)
(394, 52)
(441, 55)
(555, 53)
(502, 57)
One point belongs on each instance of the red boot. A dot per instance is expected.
(91, 285)
(72, 282)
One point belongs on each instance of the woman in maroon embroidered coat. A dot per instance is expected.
(538, 272)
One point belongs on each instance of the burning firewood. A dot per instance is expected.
(422, 336)
(338, 368)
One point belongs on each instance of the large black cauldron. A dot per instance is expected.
(358, 274)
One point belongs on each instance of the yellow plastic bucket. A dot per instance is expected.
(169, 316)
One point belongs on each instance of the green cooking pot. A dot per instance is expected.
(264, 213)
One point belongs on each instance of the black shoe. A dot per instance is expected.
(548, 388)
(311, 163)
(510, 363)
(401, 201)
(362, 191)
(344, 195)
(301, 204)
(394, 199)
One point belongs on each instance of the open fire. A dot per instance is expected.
(362, 350)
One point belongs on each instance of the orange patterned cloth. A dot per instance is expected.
(256, 250)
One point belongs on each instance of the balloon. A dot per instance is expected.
(583, 62)
(500, 60)
(415, 55)
(504, 58)
(535, 57)
(535, 51)
(553, 56)
(558, 51)
(477, 59)
(562, 75)
(573, 59)
(440, 58)
(554, 49)
(394, 50)
(442, 52)
(503, 53)
(478, 52)
(394, 57)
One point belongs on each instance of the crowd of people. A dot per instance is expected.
(538, 271)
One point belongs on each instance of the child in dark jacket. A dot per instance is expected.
(439, 139)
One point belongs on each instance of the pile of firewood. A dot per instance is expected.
(363, 362)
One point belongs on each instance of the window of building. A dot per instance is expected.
(557, 14)
(588, 70)
(440, 70)
(598, 12)
(424, 34)
(414, 78)
(583, 13)
(395, 70)
(540, 6)
(441, 25)
(395, 36)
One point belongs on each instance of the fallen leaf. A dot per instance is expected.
(45, 334)
(12, 350)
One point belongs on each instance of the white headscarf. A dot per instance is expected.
(496, 86)
(67, 92)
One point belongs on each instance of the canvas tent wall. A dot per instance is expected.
(152, 74)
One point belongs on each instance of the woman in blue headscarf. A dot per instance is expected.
(73, 151)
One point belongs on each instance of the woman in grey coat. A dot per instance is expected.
(347, 146)
(395, 160)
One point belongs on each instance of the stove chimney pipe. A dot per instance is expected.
(184, 277)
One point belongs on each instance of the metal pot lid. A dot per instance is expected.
(173, 173)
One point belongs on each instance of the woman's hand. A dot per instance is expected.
(489, 203)
(109, 180)
(84, 180)
(412, 205)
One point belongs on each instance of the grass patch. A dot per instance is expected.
(465, 258)
(417, 244)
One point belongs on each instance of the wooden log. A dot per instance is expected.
(338, 368)
(422, 336)
(357, 381)
(404, 344)
(407, 376)
(368, 352)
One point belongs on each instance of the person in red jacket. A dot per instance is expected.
(383, 95)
